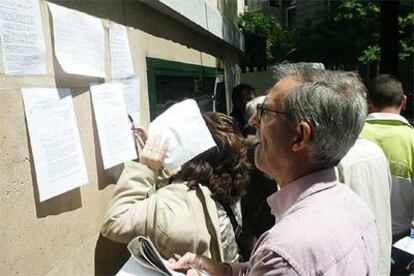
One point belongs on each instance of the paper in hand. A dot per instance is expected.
(405, 244)
(186, 130)
(145, 260)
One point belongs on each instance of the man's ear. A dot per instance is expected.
(301, 136)
(403, 102)
(370, 106)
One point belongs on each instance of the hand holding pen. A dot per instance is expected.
(154, 149)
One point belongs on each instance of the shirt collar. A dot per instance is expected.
(299, 189)
(387, 116)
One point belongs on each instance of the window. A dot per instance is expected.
(170, 82)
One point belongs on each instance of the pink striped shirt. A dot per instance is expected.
(322, 228)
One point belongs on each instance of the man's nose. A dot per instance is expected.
(253, 121)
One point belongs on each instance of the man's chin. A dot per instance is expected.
(258, 156)
(257, 149)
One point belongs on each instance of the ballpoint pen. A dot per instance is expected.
(138, 138)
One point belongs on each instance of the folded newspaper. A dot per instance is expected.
(145, 260)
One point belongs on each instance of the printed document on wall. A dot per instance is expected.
(21, 34)
(55, 142)
(115, 135)
(131, 91)
(121, 62)
(79, 42)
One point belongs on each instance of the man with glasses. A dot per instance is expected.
(322, 228)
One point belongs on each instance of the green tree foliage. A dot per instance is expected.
(358, 12)
(279, 42)
(347, 34)
(350, 9)
(406, 22)
(350, 34)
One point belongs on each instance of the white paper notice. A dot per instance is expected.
(79, 42)
(115, 136)
(21, 34)
(54, 137)
(405, 244)
(188, 134)
(121, 62)
(131, 94)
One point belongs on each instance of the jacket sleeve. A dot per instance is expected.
(133, 207)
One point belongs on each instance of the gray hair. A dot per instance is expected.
(306, 71)
(251, 106)
(334, 105)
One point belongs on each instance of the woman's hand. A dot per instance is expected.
(140, 135)
(154, 152)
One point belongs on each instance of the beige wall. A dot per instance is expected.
(260, 80)
(58, 236)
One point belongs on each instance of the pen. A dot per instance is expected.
(138, 138)
(130, 119)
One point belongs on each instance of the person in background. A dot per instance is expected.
(240, 95)
(250, 110)
(365, 170)
(394, 134)
(256, 215)
(305, 127)
(198, 210)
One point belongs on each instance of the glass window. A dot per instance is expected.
(170, 82)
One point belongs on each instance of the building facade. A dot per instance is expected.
(179, 49)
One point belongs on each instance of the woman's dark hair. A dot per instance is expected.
(238, 91)
(224, 168)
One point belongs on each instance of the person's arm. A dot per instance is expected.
(269, 263)
(263, 263)
(132, 208)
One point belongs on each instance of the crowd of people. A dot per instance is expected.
(314, 178)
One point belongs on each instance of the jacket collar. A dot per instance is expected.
(381, 116)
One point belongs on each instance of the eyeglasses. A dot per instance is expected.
(260, 109)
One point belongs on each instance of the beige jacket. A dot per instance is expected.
(177, 219)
